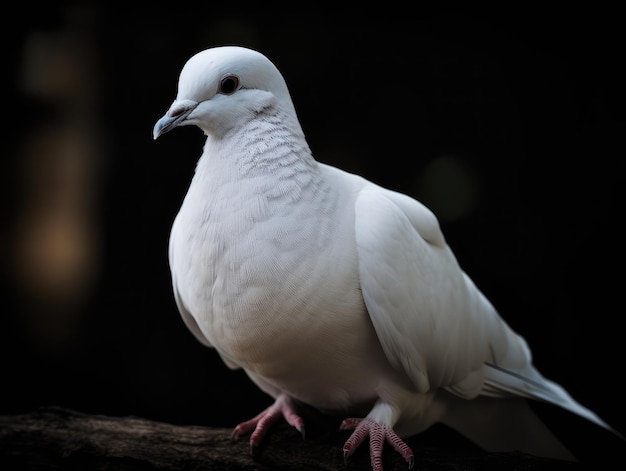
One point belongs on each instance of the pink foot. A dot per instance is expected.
(378, 433)
(260, 424)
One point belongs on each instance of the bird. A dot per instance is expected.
(332, 291)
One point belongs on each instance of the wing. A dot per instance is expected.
(432, 321)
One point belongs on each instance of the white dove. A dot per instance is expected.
(331, 291)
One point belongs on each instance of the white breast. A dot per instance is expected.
(242, 257)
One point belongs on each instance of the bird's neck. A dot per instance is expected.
(268, 155)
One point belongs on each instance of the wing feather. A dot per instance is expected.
(432, 321)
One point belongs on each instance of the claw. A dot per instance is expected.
(259, 425)
(300, 428)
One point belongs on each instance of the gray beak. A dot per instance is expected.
(175, 116)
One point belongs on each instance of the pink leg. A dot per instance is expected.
(260, 424)
(378, 433)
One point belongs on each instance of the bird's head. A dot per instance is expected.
(224, 87)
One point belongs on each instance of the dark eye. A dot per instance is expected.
(228, 84)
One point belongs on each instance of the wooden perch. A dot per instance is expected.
(56, 438)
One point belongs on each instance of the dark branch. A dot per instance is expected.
(55, 438)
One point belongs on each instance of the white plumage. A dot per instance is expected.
(330, 290)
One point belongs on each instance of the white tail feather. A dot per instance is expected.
(532, 385)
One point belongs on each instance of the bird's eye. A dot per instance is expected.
(228, 84)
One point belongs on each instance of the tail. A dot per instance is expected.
(502, 424)
(530, 384)
(501, 420)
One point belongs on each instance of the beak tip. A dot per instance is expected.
(161, 127)
(174, 117)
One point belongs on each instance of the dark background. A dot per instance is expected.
(509, 125)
